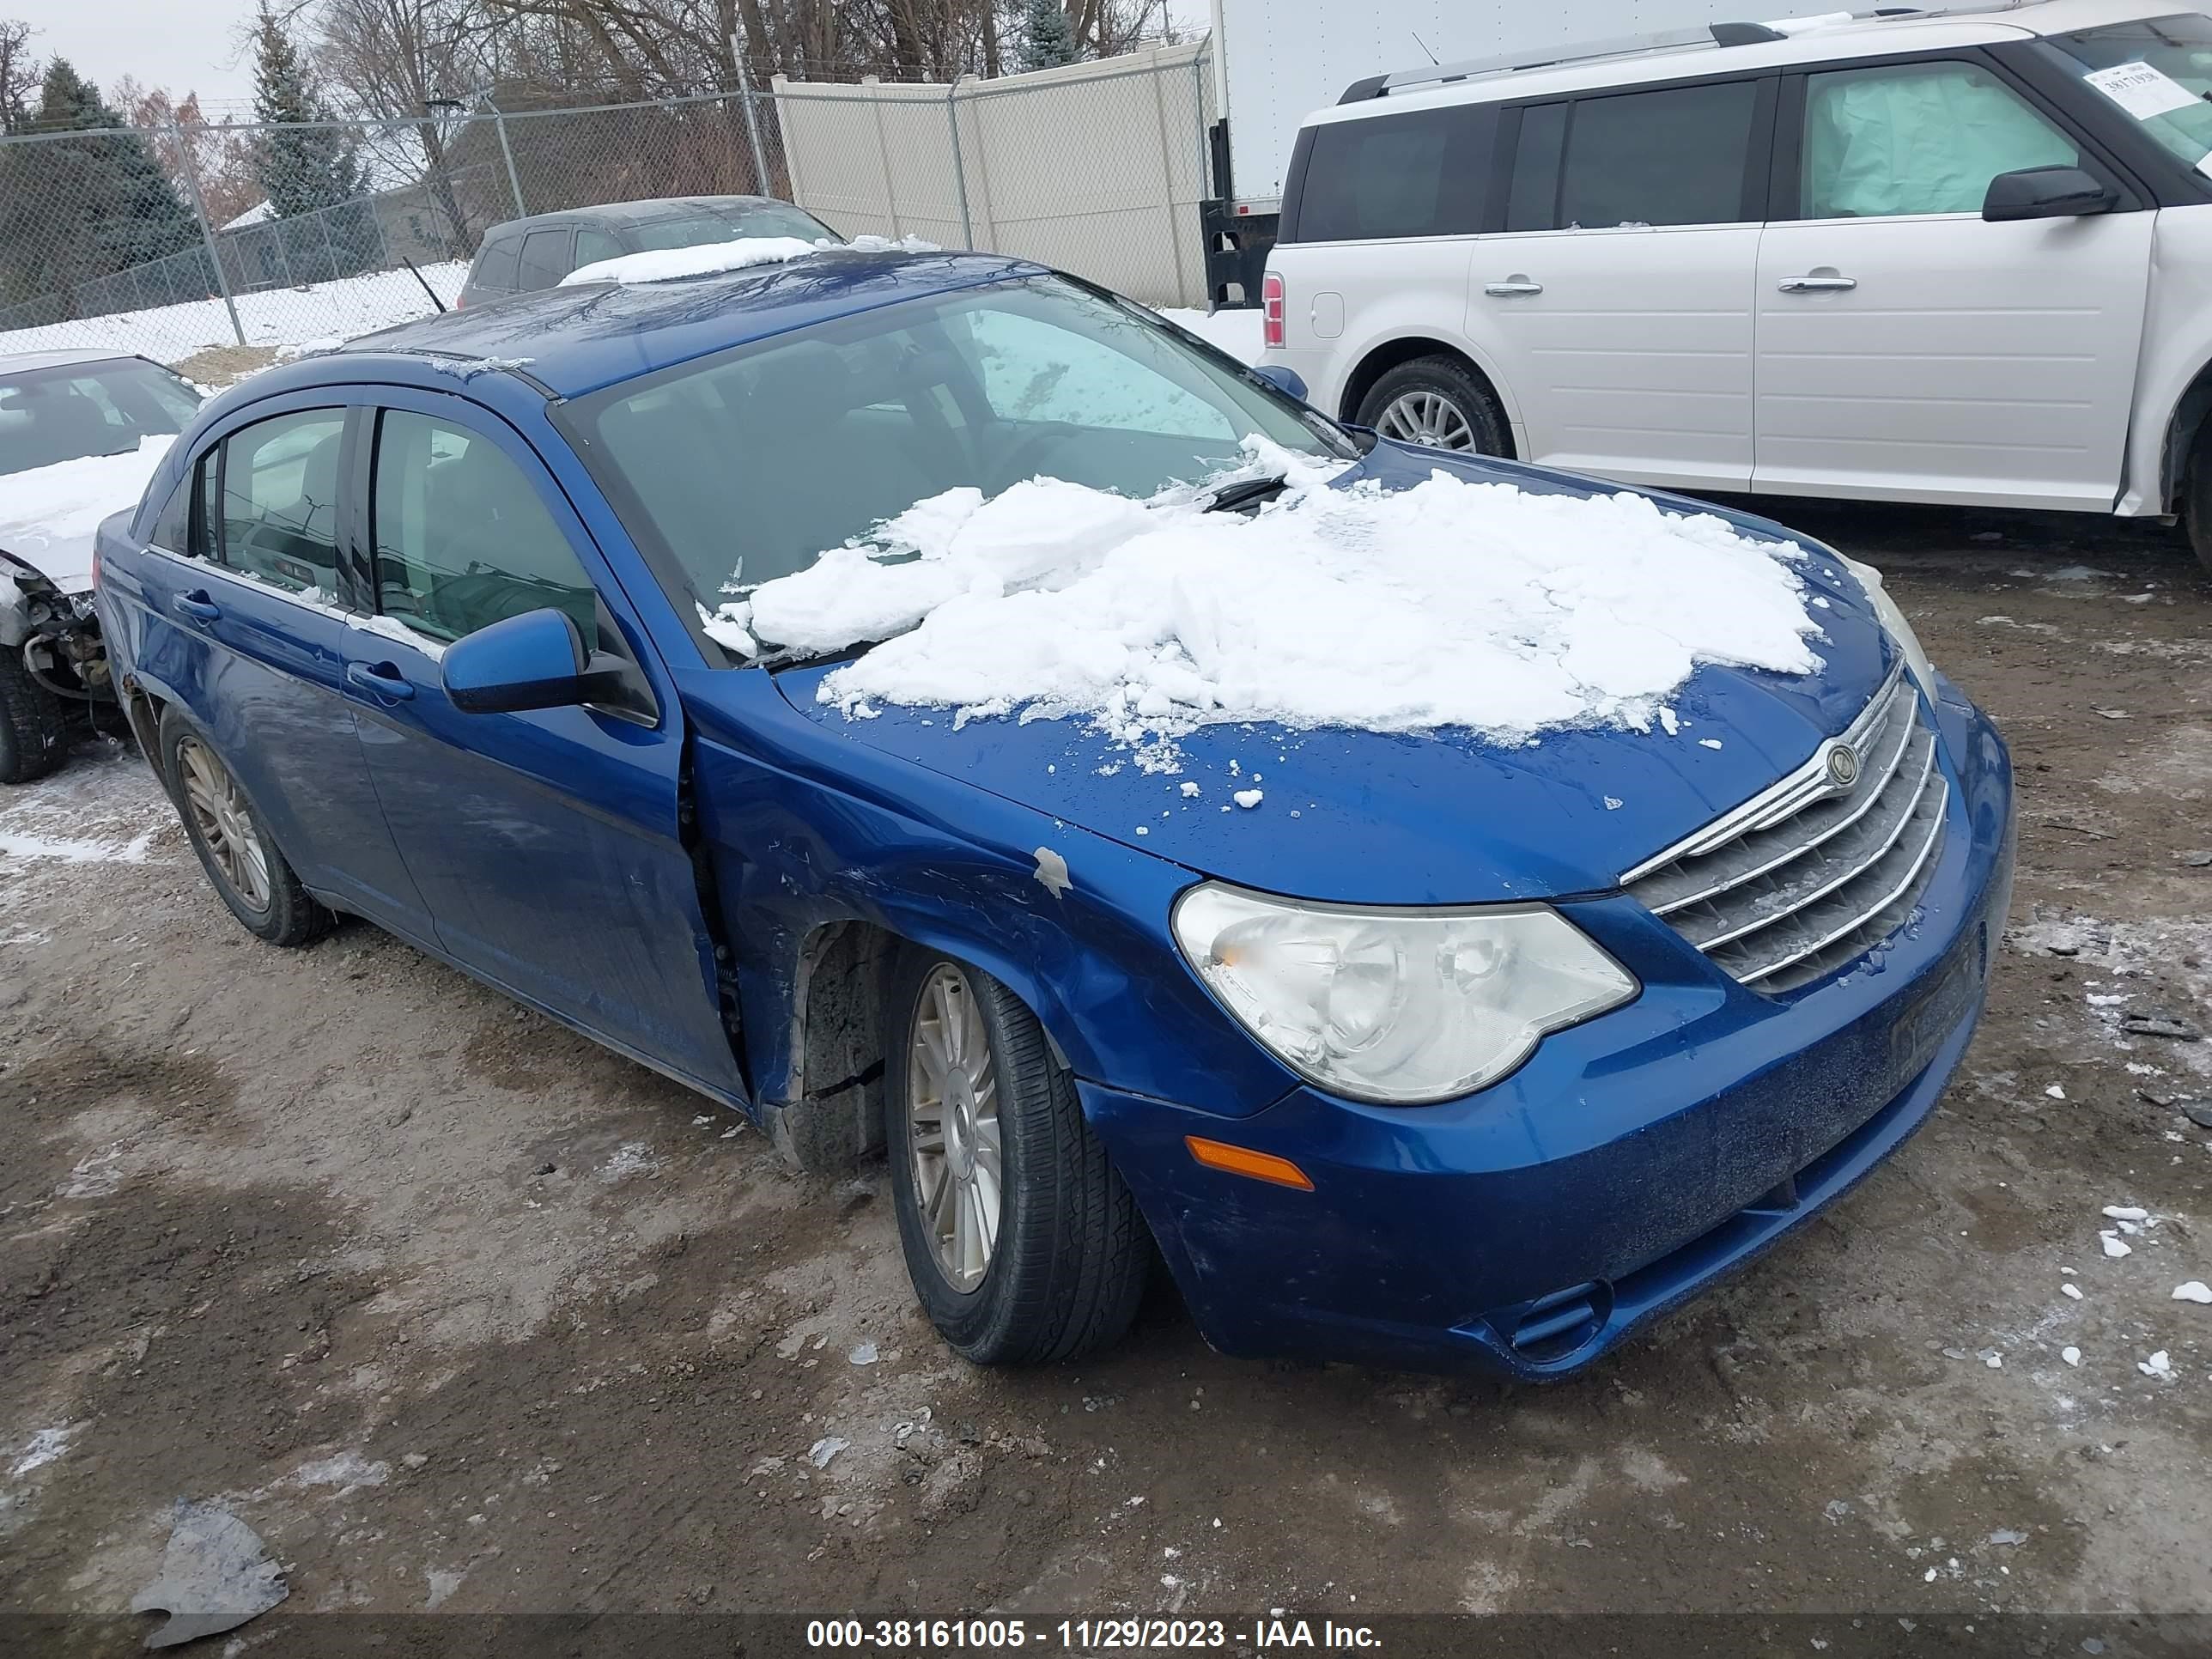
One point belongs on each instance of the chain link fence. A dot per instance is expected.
(173, 242)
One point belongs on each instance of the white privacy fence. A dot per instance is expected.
(1097, 168)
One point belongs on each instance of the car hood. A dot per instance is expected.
(48, 514)
(1438, 817)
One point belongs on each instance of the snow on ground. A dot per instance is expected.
(47, 514)
(1236, 332)
(1450, 604)
(288, 318)
(741, 253)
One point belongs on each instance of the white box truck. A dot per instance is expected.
(1274, 61)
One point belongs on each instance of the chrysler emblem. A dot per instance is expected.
(1843, 765)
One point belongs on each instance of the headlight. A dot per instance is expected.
(1893, 623)
(1401, 1006)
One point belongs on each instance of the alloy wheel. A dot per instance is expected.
(1425, 417)
(225, 822)
(952, 1128)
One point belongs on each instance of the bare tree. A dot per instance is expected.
(222, 155)
(19, 73)
(409, 63)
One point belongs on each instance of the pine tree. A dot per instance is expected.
(306, 168)
(1048, 41)
(107, 204)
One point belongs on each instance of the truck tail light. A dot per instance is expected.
(1271, 311)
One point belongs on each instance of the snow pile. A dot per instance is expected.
(47, 515)
(1450, 604)
(665, 265)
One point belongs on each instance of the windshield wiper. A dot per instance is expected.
(1246, 492)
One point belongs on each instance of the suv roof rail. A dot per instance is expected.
(1708, 38)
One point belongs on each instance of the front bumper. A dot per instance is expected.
(1531, 1226)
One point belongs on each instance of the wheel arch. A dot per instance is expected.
(1387, 355)
(833, 1048)
(2183, 426)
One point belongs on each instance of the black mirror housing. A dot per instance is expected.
(2047, 193)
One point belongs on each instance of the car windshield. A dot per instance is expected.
(49, 415)
(726, 224)
(2160, 72)
(748, 465)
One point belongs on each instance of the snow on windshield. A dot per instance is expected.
(667, 264)
(47, 514)
(1452, 603)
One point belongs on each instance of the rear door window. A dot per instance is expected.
(1667, 155)
(545, 259)
(280, 501)
(1416, 174)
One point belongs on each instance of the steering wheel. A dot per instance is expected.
(468, 602)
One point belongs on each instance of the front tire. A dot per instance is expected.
(2196, 498)
(1024, 1245)
(33, 727)
(226, 830)
(1439, 402)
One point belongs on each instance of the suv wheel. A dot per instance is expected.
(225, 829)
(1023, 1243)
(1439, 402)
(33, 727)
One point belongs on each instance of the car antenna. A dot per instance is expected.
(425, 281)
(1423, 46)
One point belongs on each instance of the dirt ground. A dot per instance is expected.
(459, 1312)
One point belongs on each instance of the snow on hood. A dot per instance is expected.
(1453, 603)
(665, 265)
(48, 515)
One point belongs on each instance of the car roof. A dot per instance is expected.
(1867, 34)
(578, 339)
(23, 362)
(634, 213)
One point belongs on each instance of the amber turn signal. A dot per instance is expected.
(1242, 1160)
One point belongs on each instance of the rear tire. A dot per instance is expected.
(226, 830)
(33, 726)
(1064, 1253)
(1439, 402)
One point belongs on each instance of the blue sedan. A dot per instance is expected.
(424, 630)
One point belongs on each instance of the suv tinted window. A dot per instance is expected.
(495, 265)
(280, 500)
(1414, 174)
(1672, 155)
(462, 539)
(1916, 138)
(545, 259)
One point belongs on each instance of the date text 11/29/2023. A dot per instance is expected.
(1274, 1633)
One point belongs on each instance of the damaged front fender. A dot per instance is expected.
(826, 853)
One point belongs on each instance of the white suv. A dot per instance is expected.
(1964, 257)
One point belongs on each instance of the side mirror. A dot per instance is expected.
(1288, 381)
(2047, 193)
(536, 660)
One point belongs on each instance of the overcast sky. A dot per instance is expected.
(186, 46)
(189, 46)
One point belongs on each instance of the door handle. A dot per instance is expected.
(1512, 285)
(381, 681)
(197, 605)
(1817, 283)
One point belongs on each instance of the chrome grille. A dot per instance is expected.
(1805, 877)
